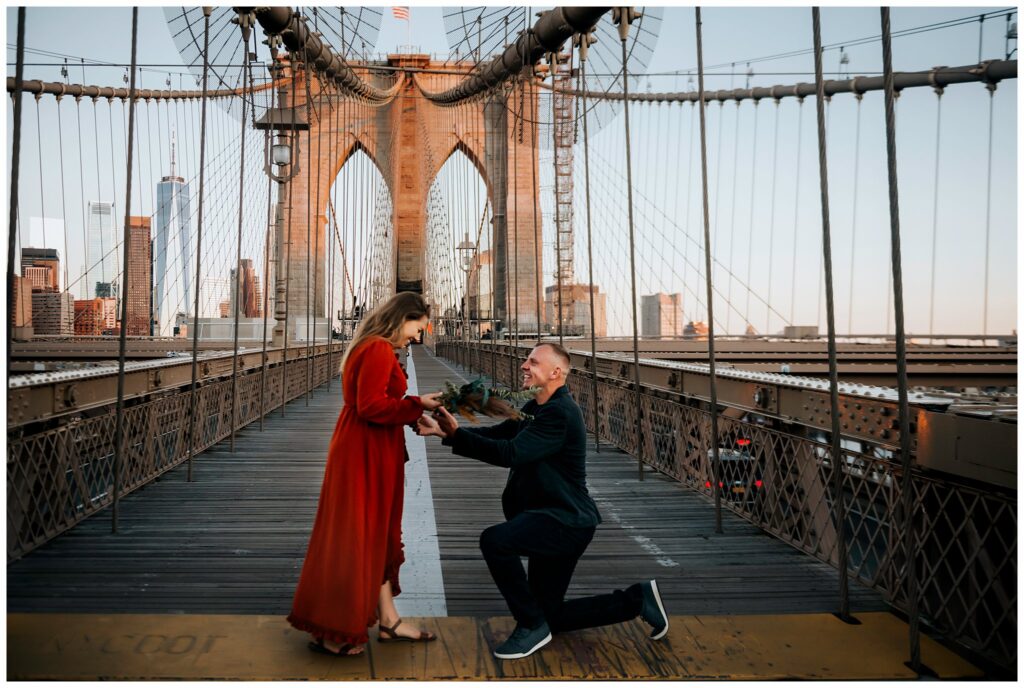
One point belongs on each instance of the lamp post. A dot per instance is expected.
(466, 251)
(281, 155)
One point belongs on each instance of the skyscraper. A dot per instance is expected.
(251, 304)
(138, 274)
(53, 312)
(102, 260)
(661, 315)
(47, 259)
(172, 259)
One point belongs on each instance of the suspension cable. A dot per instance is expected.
(796, 209)
(624, 19)
(309, 249)
(584, 47)
(935, 209)
(853, 212)
(837, 458)
(988, 201)
(771, 221)
(716, 461)
(286, 251)
(15, 166)
(244, 25)
(122, 345)
(750, 221)
(193, 410)
(63, 201)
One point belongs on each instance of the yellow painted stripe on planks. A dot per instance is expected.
(165, 646)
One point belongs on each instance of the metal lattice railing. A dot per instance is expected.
(58, 477)
(966, 536)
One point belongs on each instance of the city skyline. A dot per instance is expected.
(758, 31)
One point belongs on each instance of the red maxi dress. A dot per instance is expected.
(356, 544)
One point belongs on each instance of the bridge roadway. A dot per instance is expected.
(200, 576)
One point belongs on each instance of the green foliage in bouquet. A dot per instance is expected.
(475, 397)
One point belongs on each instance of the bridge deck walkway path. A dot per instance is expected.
(219, 557)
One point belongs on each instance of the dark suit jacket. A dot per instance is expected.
(547, 456)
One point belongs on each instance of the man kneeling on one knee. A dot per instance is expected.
(551, 517)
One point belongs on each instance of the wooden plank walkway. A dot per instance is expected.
(232, 542)
(223, 647)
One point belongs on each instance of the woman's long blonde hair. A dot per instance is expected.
(387, 319)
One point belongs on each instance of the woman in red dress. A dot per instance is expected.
(350, 575)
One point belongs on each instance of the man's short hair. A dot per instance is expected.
(561, 353)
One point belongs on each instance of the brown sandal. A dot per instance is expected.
(343, 651)
(392, 631)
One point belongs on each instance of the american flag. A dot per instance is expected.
(400, 13)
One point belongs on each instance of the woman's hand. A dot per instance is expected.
(430, 402)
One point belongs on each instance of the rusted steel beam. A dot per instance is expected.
(47, 396)
(963, 438)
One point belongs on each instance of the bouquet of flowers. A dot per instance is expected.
(475, 397)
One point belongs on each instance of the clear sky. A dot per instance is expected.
(730, 35)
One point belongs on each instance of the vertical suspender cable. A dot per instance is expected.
(901, 348)
(833, 368)
(553, 64)
(584, 47)
(19, 80)
(123, 340)
(343, 240)
(266, 298)
(244, 22)
(332, 141)
(310, 112)
(39, 153)
(81, 195)
(935, 209)
(771, 224)
(266, 269)
(538, 246)
(517, 141)
(193, 410)
(63, 200)
(624, 17)
(750, 223)
(286, 251)
(732, 218)
(853, 213)
(511, 300)
(716, 468)
(988, 200)
(796, 209)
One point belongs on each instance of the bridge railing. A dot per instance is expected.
(61, 475)
(782, 481)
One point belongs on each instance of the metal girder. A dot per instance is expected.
(967, 443)
(42, 396)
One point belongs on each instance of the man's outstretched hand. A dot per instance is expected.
(442, 425)
(446, 421)
(427, 427)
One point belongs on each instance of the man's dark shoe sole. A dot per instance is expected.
(519, 655)
(658, 634)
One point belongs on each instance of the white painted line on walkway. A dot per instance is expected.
(422, 583)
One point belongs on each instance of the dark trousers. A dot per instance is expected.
(553, 550)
